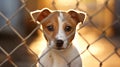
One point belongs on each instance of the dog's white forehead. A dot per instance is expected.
(61, 17)
(61, 34)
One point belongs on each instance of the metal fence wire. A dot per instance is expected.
(99, 35)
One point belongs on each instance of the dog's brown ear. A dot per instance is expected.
(43, 14)
(39, 15)
(77, 15)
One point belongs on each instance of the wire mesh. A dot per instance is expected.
(101, 48)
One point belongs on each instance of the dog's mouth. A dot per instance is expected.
(59, 48)
(59, 45)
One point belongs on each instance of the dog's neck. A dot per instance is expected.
(66, 55)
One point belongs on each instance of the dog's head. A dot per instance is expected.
(59, 26)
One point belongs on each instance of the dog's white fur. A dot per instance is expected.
(60, 58)
(56, 58)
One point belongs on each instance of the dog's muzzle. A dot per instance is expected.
(59, 43)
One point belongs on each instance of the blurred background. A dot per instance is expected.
(98, 37)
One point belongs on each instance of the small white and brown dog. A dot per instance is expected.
(59, 29)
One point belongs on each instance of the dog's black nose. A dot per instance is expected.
(59, 43)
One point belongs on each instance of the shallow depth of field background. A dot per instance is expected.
(98, 37)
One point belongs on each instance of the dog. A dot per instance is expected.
(59, 28)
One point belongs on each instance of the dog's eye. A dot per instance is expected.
(50, 28)
(68, 28)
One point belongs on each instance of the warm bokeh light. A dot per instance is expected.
(65, 4)
(97, 40)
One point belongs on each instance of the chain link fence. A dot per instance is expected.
(99, 36)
